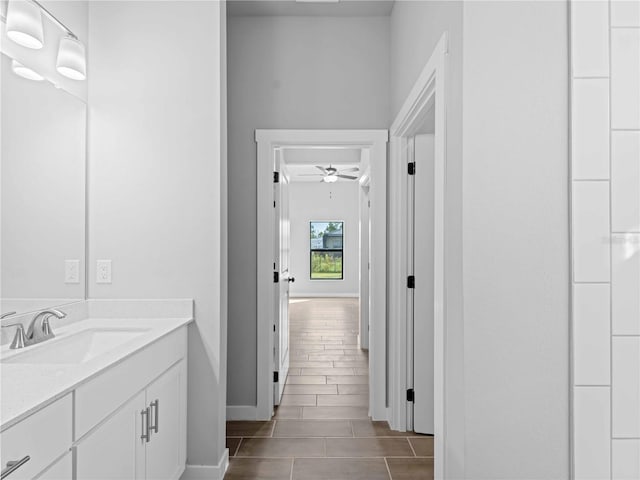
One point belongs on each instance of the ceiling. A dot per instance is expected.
(301, 163)
(343, 8)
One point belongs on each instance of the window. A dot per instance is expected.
(326, 250)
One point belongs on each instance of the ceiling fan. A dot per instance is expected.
(331, 174)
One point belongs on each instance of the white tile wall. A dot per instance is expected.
(590, 39)
(606, 434)
(625, 459)
(625, 181)
(592, 433)
(625, 394)
(590, 135)
(625, 284)
(591, 330)
(625, 78)
(591, 231)
(625, 13)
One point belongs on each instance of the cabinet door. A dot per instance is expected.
(165, 457)
(61, 470)
(115, 450)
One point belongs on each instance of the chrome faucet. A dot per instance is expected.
(40, 333)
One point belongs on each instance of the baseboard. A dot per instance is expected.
(242, 412)
(207, 472)
(323, 295)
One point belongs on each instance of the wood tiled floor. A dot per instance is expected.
(322, 430)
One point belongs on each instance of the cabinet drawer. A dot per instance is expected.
(44, 436)
(103, 395)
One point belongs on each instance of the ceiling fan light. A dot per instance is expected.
(24, 24)
(330, 179)
(72, 62)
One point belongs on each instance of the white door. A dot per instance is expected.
(364, 267)
(284, 277)
(116, 449)
(164, 456)
(423, 294)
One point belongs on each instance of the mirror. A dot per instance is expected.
(42, 249)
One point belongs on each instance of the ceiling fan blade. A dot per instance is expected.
(310, 175)
(354, 169)
(347, 176)
(322, 169)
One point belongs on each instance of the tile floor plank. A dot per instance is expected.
(340, 469)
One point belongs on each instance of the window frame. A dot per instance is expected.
(311, 250)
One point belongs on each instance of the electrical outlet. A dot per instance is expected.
(103, 271)
(72, 271)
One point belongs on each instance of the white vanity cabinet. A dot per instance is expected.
(146, 437)
(62, 469)
(114, 450)
(42, 437)
(127, 421)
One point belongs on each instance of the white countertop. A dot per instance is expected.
(29, 387)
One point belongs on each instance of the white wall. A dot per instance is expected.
(516, 258)
(289, 72)
(416, 27)
(157, 189)
(606, 205)
(507, 324)
(324, 202)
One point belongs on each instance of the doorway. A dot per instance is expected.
(274, 280)
(417, 339)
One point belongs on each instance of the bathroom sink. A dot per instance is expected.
(77, 348)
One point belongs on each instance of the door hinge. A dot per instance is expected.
(274, 328)
(411, 281)
(276, 177)
(412, 168)
(411, 397)
(275, 376)
(276, 277)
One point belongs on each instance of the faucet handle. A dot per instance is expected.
(46, 327)
(19, 339)
(8, 314)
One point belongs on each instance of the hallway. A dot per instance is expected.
(321, 430)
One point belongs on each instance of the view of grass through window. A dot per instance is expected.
(326, 250)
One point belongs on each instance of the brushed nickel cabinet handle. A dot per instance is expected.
(146, 436)
(12, 466)
(155, 408)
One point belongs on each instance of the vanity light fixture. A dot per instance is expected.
(71, 60)
(24, 26)
(25, 72)
(24, 23)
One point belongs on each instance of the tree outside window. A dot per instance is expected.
(326, 250)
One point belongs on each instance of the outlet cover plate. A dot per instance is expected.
(103, 271)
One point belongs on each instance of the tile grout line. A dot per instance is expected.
(411, 447)
(388, 469)
(237, 447)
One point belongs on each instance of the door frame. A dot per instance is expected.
(376, 141)
(427, 93)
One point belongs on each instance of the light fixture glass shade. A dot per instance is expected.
(24, 24)
(25, 72)
(330, 179)
(72, 61)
